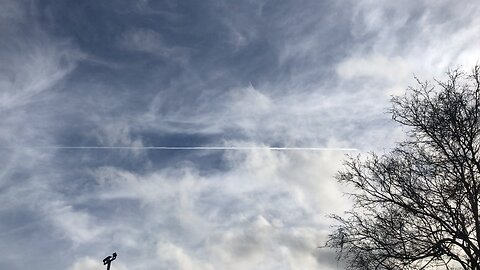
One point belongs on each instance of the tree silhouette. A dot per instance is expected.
(416, 207)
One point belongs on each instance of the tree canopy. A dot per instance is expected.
(416, 207)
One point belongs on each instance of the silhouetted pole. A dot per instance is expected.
(108, 260)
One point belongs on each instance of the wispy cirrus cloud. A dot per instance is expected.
(151, 42)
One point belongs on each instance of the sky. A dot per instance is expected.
(248, 74)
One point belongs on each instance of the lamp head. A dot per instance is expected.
(107, 260)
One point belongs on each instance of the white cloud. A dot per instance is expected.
(88, 263)
(117, 132)
(430, 36)
(145, 40)
(267, 205)
(32, 66)
(151, 42)
(294, 118)
(175, 258)
(76, 226)
(378, 67)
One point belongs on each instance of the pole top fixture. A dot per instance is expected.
(108, 260)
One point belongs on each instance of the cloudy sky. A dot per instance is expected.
(257, 73)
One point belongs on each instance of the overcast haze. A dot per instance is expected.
(200, 73)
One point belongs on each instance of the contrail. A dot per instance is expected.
(187, 148)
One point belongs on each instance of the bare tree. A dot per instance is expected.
(417, 206)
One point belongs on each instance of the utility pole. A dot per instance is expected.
(108, 260)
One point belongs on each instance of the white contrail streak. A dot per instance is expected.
(187, 148)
